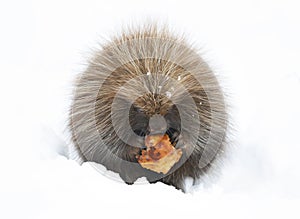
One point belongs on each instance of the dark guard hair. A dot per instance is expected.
(148, 81)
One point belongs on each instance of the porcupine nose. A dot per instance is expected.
(157, 125)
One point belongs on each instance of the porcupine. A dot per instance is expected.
(148, 81)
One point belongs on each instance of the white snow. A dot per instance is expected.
(168, 94)
(253, 45)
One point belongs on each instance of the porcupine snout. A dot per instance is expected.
(157, 125)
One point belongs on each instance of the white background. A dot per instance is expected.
(253, 45)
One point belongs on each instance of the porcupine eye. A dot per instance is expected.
(138, 121)
(174, 125)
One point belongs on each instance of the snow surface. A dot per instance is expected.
(253, 46)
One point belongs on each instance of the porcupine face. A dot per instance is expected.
(164, 121)
(148, 82)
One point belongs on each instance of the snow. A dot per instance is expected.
(252, 45)
(168, 94)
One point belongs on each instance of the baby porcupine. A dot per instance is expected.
(145, 82)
